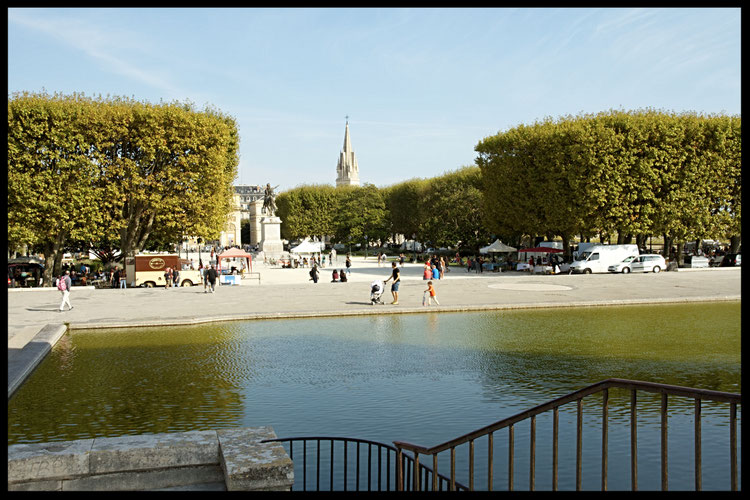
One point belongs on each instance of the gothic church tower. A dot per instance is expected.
(347, 170)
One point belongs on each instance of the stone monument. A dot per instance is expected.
(270, 238)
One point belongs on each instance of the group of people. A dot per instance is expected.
(435, 268)
(336, 275)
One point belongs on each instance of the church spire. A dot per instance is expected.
(347, 170)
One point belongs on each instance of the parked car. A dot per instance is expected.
(645, 263)
(622, 267)
(695, 261)
(731, 259)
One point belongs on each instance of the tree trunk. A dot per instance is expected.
(667, 247)
(566, 246)
(640, 240)
(735, 242)
(52, 259)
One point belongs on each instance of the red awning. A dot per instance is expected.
(541, 250)
(236, 253)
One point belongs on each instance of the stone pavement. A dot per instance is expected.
(290, 293)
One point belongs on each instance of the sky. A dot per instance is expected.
(421, 87)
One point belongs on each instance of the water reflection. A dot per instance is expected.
(423, 378)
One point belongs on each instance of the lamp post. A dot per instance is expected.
(365, 247)
(200, 262)
(414, 246)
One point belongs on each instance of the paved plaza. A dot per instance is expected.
(284, 293)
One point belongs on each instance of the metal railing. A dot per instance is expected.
(699, 395)
(377, 471)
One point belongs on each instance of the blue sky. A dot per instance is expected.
(421, 87)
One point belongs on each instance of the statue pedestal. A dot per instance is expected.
(270, 241)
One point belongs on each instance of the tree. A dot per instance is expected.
(361, 213)
(403, 203)
(453, 210)
(307, 211)
(115, 171)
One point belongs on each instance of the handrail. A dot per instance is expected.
(424, 471)
(633, 385)
(675, 390)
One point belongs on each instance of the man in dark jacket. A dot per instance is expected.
(212, 274)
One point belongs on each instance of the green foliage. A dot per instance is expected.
(452, 207)
(631, 173)
(116, 171)
(307, 211)
(361, 212)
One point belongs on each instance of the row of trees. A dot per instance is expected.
(111, 174)
(629, 174)
(442, 211)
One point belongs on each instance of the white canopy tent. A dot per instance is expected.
(497, 247)
(306, 246)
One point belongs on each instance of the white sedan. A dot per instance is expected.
(648, 262)
(622, 267)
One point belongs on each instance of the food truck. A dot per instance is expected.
(148, 270)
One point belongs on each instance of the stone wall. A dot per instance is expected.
(227, 459)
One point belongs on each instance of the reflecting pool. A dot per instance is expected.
(422, 378)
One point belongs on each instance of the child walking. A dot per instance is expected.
(432, 295)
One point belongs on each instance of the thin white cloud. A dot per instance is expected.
(99, 45)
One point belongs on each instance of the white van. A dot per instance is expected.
(598, 258)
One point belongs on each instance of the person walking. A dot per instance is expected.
(396, 277)
(115, 277)
(176, 277)
(211, 276)
(123, 280)
(314, 273)
(167, 278)
(348, 264)
(432, 294)
(63, 284)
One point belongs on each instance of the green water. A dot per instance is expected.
(423, 378)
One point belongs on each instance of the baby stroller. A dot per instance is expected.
(376, 290)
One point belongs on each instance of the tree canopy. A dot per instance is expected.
(115, 171)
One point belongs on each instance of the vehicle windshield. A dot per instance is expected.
(629, 259)
(583, 256)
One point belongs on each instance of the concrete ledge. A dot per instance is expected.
(249, 464)
(379, 310)
(153, 451)
(231, 459)
(22, 362)
(183, 477)
(48, 461)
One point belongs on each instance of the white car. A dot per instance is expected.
(622, 267)
(648, 262)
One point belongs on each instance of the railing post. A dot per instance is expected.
(605, 400)
(453, 469)
(399, 469)
(489, 461)
(633, 442)
(664, 448)
(471, 465)
(532, 452)
(733, 444)
(698, 478)
(555, 430)
(416, 472)
(510, 457)
(434, 472)
(579, 445)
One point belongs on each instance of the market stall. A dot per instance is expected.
(230, 274)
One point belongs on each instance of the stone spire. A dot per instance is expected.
(347, 170)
